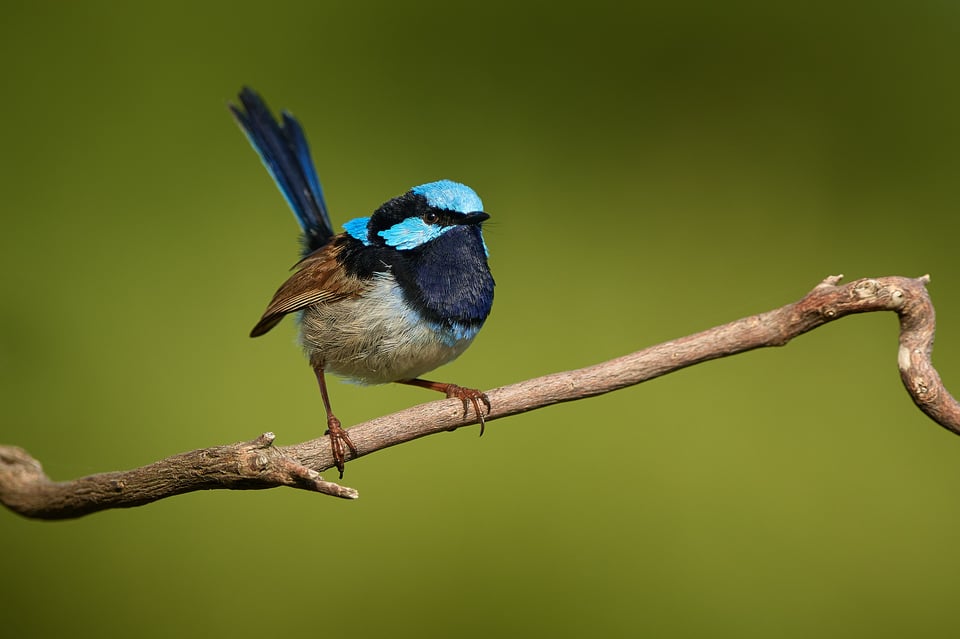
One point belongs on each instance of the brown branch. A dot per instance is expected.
(24, 488)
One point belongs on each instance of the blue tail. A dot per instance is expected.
(284, 151)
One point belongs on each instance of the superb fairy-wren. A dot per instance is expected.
(400, 293)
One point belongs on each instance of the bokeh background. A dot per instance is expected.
(651, 169)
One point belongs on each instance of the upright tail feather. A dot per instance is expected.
(283, 148)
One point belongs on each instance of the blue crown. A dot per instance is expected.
(450, 195)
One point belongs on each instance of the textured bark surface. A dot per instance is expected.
(25, 488)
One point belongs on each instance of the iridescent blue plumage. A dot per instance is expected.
(411, 233)
(454, 289)
(357, 229)
(401, 292)
(284, 151)
(450, 195)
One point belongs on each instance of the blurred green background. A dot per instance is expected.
(651, 171)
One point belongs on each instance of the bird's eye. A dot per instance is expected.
(430, 217)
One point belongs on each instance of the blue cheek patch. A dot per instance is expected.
(411, 233)
(450, 195)
(357, 229)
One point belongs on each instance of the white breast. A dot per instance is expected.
(377, 338)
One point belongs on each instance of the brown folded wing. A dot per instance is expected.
(319, 279)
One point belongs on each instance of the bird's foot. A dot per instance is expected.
(339, 442)
(469, 396)
(466, 395)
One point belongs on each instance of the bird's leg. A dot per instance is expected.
(339, 440)
(467, 395)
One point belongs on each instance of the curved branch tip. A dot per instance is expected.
(258, 463)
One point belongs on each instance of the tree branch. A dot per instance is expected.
(25, 488)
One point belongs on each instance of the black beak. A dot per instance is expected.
(473, 218)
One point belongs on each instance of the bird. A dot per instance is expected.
(397, 294)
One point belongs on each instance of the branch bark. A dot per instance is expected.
(26, 489)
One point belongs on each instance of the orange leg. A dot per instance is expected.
(339, 440)
(467, 395)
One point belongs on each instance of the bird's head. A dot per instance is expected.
(420, 216)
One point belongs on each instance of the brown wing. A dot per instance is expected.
(319, 279)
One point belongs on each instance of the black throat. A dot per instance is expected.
(447, 280)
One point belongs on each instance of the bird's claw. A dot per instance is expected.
(339, 443)
(470, 396)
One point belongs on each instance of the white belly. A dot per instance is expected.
(377, 338)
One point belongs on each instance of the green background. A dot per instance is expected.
(650, 171)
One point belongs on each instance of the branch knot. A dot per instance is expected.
(258, 464)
